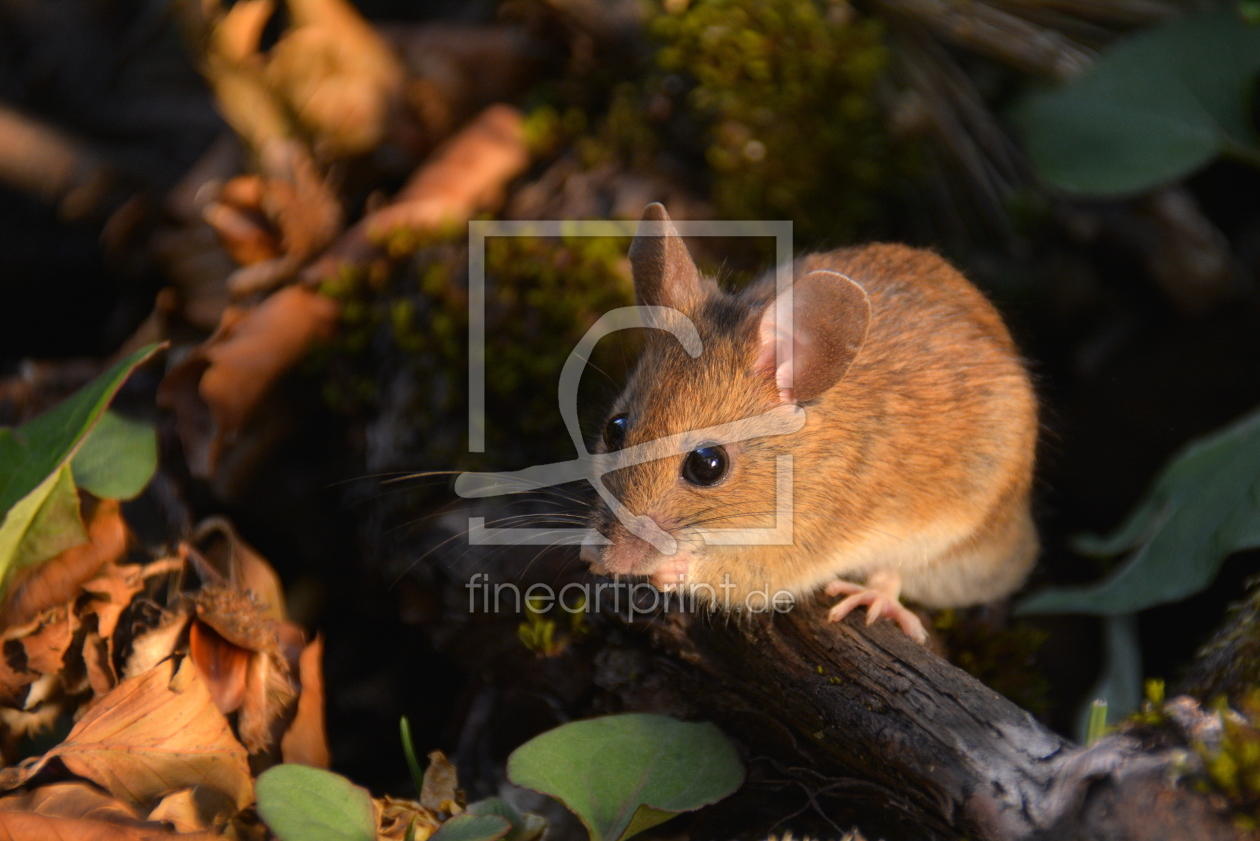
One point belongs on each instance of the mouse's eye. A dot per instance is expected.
(705, 466)
(615, 431)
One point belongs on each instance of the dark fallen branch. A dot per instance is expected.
(858, 723)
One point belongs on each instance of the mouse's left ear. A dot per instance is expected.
(811, 351)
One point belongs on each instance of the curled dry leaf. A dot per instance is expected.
(268, 706)
(337, 75)
(234, 562)
(440, 791)
(24, 826)
(156, 644)
(153, 734)
(300, 206)
(223, 666)
(32, 651)
(215, 388)
(306, 741)
(465, 176)
(75, 799)
(37, 588)
(194, 809)
(395, 816)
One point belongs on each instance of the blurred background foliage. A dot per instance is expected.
(169, 169)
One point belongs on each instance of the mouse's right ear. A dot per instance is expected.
(664, 273)
(809, 353)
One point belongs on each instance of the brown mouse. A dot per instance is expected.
(912, 471)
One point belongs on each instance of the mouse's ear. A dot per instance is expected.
(830, 316)
(664, 274)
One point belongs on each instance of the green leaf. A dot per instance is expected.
(300, 803)
(472, 828)
(41, 511)
(525, 827)
(43, 523)
(30, 453)
(117, 458)
(1204, 506)
(1153, 108)
(622, 774)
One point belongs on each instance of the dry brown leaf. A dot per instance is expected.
(245, 234)
(464, 176)
(215, 389)
(33, 650)
(57, 580)
(306, 740)
(468, 173)
(238, 617)
(396, 816)
(114, 589)
(239, 564)
(223, 666)
(100, 669)
(337, 74)
(441, 785)
(270, 698)
(194, 809)
(28, 826)
(152, 647)
(155, 733)
(76, 799)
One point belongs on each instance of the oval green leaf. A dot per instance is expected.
(472, 828)
(300, 803)
(1152, 109)
(1204, 506)
(622, 774)
(37, 500)
(117, 458)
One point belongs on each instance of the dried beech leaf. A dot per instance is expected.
(71, 800)
(468, 173)
(223, 666)
(396, 814)
(113, 590)
(216, 388)
(151, 648)
(26, 826)
(464, 176)
(100, 671)
(270, 698)
(156, 733)
(58, 579)
(306, 740)
(237, 616)
(34, 650)
(194, 809)
(440, 788)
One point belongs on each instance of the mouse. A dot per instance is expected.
(911, 452)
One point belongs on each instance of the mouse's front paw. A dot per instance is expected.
(881, 597)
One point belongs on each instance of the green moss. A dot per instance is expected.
(1232, 768)
(784, 89)
(541, 297)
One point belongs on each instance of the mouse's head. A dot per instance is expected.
(703, 461)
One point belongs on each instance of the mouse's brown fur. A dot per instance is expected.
(917, 461)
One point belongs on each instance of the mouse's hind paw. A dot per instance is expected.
(881, 597)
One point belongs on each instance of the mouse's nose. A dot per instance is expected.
(590, 553)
